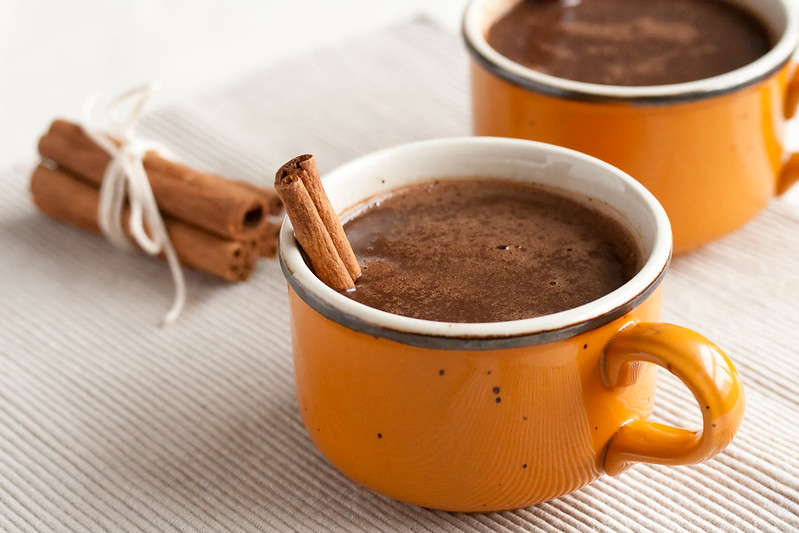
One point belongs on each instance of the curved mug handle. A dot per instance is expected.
(790, 171)
(704, 369)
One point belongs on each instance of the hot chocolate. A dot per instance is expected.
(630, 42)
(486, 250)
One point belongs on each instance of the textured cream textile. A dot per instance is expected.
(108, 423)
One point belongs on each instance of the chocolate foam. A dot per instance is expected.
(479, 250)
(630, 42)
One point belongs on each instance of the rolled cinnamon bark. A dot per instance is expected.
(205, 200)
(267, 244)
(67, 198)
(310, 230)
(268, 234)
(305, 167)
(269, 196)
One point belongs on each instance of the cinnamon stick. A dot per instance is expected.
(268, 195)
(267, 244)
(268, 234)
(309, 228)
(67, 198)
(305, 167)
(205, 200)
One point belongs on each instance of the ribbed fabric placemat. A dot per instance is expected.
(109, 423)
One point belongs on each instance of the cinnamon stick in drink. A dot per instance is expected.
(309, 228)
(67, 198)
(305, 166)
(208, 201)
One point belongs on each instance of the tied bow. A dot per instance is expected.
(126, 179)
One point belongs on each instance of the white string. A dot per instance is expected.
(126, 179)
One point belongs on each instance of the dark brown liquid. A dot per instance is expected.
(478, 250)
(630, 42)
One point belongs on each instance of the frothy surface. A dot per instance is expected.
(478, 250)
(630, 42)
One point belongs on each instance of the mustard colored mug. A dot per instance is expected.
(492, 416)
(712, 151)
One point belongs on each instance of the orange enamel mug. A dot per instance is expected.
(493, 416)
(712, 151)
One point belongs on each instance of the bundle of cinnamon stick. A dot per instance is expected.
(216, 225)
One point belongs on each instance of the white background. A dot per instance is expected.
(53, 53)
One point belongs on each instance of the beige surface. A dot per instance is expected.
(109, 423)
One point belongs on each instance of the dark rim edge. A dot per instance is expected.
(467, 343)
(648, 100)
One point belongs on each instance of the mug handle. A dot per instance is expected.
(704, 369)
(790, 172)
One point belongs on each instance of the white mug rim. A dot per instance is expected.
(490, 335)
(729, 82)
